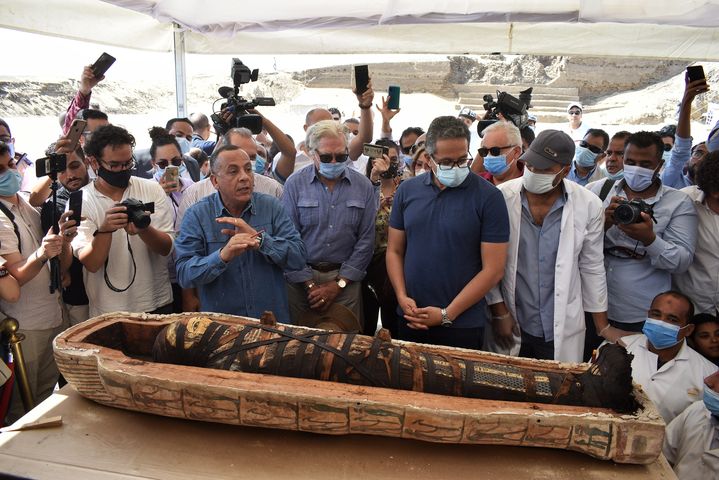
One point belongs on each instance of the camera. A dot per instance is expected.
(137, 212)
(236, 104)
(512, 108)
(629, 211)
(53, 164)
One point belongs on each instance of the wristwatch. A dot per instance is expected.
(446, 322)
(4, 272)
(342, 283)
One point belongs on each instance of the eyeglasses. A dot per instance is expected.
(460, 162)
(590, 147)
(177, 161)
(618, 153)
(494, 151)
(5, 138)
(575, 112)
(328, 157)
(120, 166)
(668, 147)
(413, 149)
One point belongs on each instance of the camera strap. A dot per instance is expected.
(11, 217)
(608, 184)
(134, 269)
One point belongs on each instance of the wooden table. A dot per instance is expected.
(98, 442)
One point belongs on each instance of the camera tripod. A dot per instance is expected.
(55, 269)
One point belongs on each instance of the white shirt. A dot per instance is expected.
(151, 287)
(578, 133)
(675, 386)
(691, 444)
(37, 308)
(196, 192)
(701, 280)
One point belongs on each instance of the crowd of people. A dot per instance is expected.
(544, 246)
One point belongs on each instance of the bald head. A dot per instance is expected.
(316, 115)
(200, 124)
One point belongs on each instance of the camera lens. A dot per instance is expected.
(626, 214)
(138, 217)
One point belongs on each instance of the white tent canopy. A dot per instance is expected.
(684, 29)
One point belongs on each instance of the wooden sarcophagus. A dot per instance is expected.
(111, 359)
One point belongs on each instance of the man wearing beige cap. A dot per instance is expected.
(555, 264)
(576, 129)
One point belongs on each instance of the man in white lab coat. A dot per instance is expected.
(555, 265)
(692, 441)
(670, 371)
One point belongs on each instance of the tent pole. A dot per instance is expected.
(180, 72)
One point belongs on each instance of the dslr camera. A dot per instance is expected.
(236, 104)
(630, 211)
(51, 165)
(512, 108)
(137, 212)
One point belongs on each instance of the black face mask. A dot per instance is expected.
(119, 179)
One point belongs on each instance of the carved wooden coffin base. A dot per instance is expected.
(108, 359)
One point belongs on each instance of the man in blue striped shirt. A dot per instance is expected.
(334, 209)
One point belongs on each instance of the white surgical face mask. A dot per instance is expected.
(538, 183)
(638, 178)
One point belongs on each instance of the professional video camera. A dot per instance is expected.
(237, 105)
(512, 109)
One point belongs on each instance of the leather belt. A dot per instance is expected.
(325, 267)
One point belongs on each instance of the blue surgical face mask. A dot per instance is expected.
(10, 182)
(453, 177)
(661, 334)
(711, 400)
(666, 156)
(183, 171)
(159, 172)
(638, 178)
(496, 165)
(332, 170)
(11, 147)
(584, 157)
(612, 176)
(258, 166)
(184, 144)
(406, 159)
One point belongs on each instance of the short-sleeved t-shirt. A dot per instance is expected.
(444, 231)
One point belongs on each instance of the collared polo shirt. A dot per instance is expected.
(444, 232)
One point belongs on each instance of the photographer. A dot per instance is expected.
(641, 254)
(25, 253)
(72, 179)
(125, 257)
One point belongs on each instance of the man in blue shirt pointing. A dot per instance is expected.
(235, 244)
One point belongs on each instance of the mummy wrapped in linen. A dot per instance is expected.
(277, 349)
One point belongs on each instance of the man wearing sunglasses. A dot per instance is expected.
(555, 266)
(126, 265)
(589, 152)
(333, 207)
(641, 257)
(577, 128)
(447, 244)
(501, 147)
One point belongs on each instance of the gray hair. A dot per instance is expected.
(325, 128)
(214, 158)
(241, 131)
(442, 128)
(511, 133)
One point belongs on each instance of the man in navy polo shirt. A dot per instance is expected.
(447, 243)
